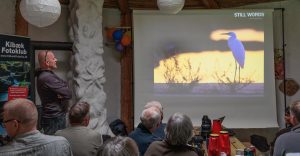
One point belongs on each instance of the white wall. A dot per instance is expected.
(112, 87)
(7, 16)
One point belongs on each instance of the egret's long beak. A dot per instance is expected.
(224, 33)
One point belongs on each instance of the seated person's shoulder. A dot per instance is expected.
(55, 139)
(58, 138)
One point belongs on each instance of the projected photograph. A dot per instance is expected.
(206, 62)
(227, 60)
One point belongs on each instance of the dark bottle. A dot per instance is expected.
(205, 127)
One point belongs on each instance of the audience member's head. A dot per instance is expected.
(79, 114)
(119, 146)
(150, 118)
(287, 116)
(19, 116)
(118, 127)
(157, 105)
(295, 113)
(47, 60)
(179, 129)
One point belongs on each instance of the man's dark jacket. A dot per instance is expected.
(143, 138)
(54, 93)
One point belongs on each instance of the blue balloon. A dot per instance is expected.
(119, 46)
(117, 35)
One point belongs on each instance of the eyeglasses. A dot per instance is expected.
(9, 120)
(46, 55)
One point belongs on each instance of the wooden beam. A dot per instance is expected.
(126, 70)
(64, 2)
(21, 26)
(211, 4)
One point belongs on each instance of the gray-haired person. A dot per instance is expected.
(119, 146)
(84, 141)
(160, 131)
(179, 131)
(143, 134)
(20, 120)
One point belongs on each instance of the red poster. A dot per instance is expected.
(17, 92)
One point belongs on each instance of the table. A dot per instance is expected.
(235, 144)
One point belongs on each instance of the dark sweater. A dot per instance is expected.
(143, 138)
(54, 93)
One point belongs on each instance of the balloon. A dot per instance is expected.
(126, 39)
(109, 33)
(119, 46)
(117, 35)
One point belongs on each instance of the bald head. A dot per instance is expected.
(47, 60)
(150, 118)
(42, 57)
(22, 110)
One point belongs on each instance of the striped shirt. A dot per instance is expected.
(37, 144)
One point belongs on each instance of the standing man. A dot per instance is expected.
(20, 120)
(54, 94)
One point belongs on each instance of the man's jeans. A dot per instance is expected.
(51, 125)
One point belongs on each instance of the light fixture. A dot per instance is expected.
(170, 6)
(40, 13)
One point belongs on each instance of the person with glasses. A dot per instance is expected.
(20, 121)
(54, 93)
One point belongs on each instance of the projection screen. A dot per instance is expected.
(206, 62)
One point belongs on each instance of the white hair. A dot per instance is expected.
(154, 104)
(150, 117)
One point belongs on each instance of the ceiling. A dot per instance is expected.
(189, 4)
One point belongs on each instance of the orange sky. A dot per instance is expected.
(212, 63)
(216, 62)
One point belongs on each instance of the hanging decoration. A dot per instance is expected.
(279, 64)
(120, 37)
(291, 87)
(170, 6)
(40, 13)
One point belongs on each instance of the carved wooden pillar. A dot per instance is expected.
(126, 70)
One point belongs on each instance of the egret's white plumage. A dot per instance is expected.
(237, 48)
(238, 51)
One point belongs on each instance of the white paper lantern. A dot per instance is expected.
(170, 6)
(40, 13)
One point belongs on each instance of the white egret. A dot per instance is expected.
(238, 51)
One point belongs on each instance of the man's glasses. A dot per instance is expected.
(46, 55)
(9, 120)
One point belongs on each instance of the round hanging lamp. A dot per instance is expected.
(40, 13)
(170, 6)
